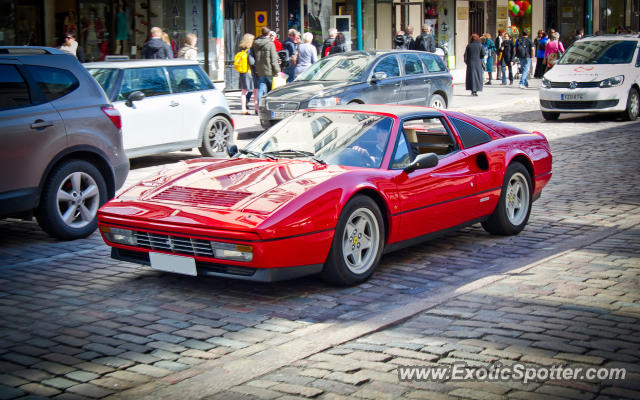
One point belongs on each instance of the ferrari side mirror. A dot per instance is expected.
(422, 161)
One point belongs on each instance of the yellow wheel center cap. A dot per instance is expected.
(355, 240)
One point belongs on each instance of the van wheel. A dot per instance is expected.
(550, 116)
(437, 101)
(70, 200)
(217, 135)
(633, 104)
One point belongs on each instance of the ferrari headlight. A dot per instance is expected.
(118, 235)
(324, 102)
(546, 83)
(230, 251)
(612, 82)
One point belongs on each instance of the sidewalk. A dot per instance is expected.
(494, 96)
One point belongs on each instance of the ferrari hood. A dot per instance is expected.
(236, 194)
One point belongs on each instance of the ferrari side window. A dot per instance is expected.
(429, 135)
(402, 156)
(469, 134)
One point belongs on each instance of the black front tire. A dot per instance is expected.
(217, 136)
(633, 108)
(361, 228)
(70, 199)
(550, 116)
(514, 206)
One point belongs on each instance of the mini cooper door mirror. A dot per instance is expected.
(428, 160)
(134, 96)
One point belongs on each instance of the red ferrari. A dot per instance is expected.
(329, 191)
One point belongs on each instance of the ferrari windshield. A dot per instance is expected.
(337, 68)
(600, 52)
(342, 138)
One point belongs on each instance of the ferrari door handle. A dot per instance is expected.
(174, 104)
(40, 124)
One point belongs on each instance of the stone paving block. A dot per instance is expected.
(475, 394)
(150, 370)
(90, 390)
(114, 362)
(9, 393)
(39, 390)
(94, 367)
(128, 376)
(256, 392)
(139, 357)
(112, 383)
(59, 383)
(12, 380)
(298, 390)
(169, 347)
(171, 365)
(53, 368)
(563, 392)
(82, 376)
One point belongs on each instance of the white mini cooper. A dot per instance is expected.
(596, 74)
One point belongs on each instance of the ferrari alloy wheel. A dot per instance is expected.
(633, 106)
(357, 243)
(70, 200)
(512, 213)
(217, 135)
(437, 101)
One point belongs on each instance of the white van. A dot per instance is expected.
(596, 74)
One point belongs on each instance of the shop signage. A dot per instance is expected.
(463, 13)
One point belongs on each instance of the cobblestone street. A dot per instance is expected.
(77, 324)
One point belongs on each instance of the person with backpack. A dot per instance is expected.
(241, 63)
(524, 52)
(425, 41)
(326, 46)
(490, 52)
(553, 50)
(266, 58)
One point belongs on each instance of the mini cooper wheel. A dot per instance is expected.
(357, 243)
(514, 206)
(550, 116)
(217, 135)
(633, 105)
(437, 101)
(70, 200)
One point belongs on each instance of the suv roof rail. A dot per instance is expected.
(29, 50)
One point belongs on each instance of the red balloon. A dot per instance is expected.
(519, 3)
(525, 4)
(521, 13)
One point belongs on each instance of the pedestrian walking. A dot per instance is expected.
(473, 56)
(72, 47)
(490, 54)
(246, 78)
(290, 46)
(400, 41)
(339, 45)
(189, 51)
(274, 36)
(524, 52)
(498, 43)
(540, 42)
(506, 62)
(307, 54)
(425, 41)
(553, 50)
(408, 33)
(266, 60)
(156, 48)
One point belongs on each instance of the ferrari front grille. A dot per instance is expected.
(174, 244)
(210, 197)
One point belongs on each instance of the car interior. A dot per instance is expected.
(429, 135)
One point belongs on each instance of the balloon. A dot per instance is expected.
(524, 4)
(528, 11)
(516, 9)
(519, 3)
(521, 13)
(511, 3)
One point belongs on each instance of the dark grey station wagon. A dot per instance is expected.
(363, 77)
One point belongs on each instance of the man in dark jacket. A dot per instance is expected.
(156, 48)
(400, 41)
(267, 65)
(524, 52)
(408, 33)
(291, 46)
(425, 41)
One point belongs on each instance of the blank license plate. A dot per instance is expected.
(280, 114)
(571, 96)
(171, 263)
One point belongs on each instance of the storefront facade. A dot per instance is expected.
(121, 27)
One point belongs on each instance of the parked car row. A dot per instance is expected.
(66, 137)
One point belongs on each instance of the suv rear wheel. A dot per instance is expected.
(70, 200)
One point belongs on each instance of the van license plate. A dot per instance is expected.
(571, 97)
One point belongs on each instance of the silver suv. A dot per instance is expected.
(61, 154)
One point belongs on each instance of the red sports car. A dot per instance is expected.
(329, 191)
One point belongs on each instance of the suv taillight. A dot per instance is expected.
(114, 116)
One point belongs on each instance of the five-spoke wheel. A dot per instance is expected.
(514, 206)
